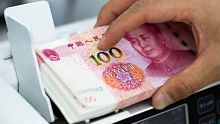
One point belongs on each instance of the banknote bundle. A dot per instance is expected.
(85, 82)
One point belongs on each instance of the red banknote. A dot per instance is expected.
(86, 82)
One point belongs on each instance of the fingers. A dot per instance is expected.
(140, 12)
(128, 20)
(112, 10)
(187, 82)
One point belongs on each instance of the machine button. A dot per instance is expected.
(209, 119)
(206, 104)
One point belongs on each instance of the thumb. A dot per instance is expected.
(203, 71)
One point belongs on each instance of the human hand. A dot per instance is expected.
(203, 16)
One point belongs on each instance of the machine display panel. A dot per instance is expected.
(177, 115)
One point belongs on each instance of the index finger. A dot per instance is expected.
(140, 12)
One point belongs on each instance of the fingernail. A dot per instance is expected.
(95, 25)
(101, 42)
(163, 100)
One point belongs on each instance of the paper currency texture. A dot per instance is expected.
(125, 74)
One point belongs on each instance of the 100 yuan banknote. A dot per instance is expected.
(125, 74)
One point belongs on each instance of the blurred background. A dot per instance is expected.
(63, 11)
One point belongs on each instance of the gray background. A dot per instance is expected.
(63, 11)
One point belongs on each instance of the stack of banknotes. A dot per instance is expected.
(85, 82)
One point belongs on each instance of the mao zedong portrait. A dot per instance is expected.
(149, 41)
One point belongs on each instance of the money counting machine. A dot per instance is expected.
(24, 101)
